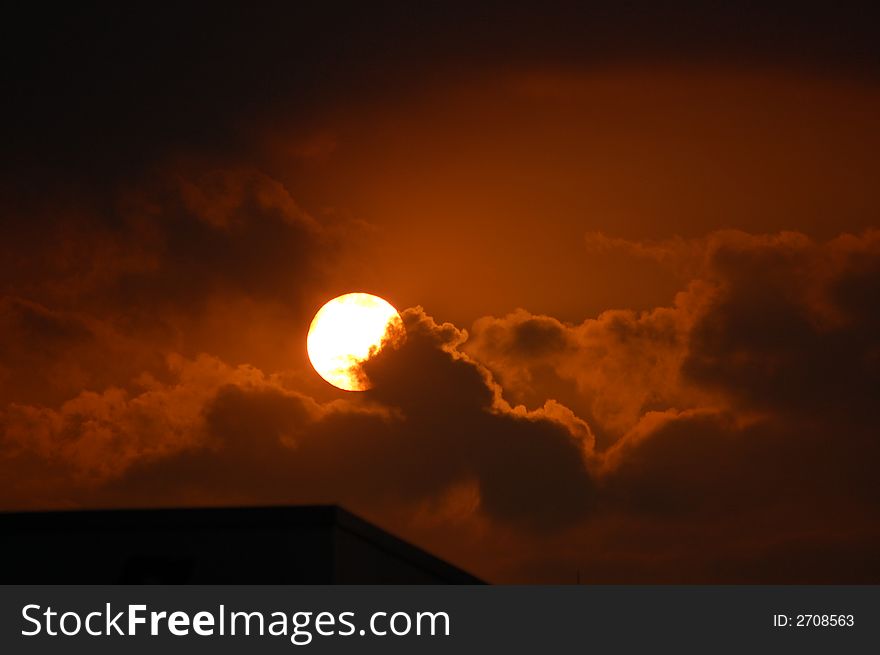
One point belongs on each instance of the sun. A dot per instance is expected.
(345, 332)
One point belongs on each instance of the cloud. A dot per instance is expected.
(171, 240)
(197, 256)
(48, 355)
(791, 326)
(746, 407)
(774, 323)
(741, 416)
(431, 422)
(218, 230)
(222, 434)
(610, 369)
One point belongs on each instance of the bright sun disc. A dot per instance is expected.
(347, 331)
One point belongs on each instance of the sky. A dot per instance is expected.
(635, 248)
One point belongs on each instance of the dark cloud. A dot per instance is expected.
(774, 323)
(97, 93)
(780, 344)
(48, 356)
(174, 235)
(217, 434)
(432, 421)
(740, 402)
(753, 396)
(531, 468)
(220, 230)
(196, 256)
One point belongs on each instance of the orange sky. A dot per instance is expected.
(639, 272)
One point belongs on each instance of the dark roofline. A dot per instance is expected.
(403, 549)
(276, 516)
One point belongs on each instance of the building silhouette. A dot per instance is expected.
(320, 544)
